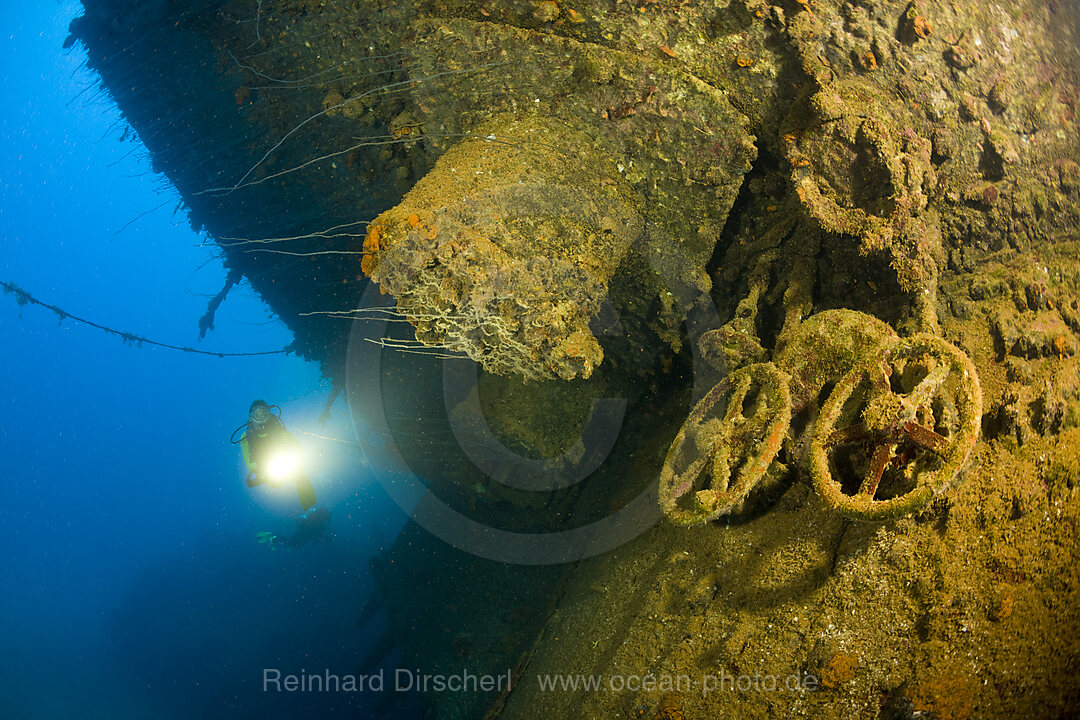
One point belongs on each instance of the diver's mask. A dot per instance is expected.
(260, 415)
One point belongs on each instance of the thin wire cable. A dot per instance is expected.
(23, 298)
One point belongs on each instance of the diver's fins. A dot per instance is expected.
(266, 538)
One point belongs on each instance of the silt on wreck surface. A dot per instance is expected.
(573, 194)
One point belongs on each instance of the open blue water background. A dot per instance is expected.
(132, 583)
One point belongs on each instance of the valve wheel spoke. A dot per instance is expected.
(885, 447)
(927, 438)
(880, 458)
(849, 436)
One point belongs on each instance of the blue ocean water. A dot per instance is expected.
(133, 585)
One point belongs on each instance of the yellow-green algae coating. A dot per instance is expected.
(732, 450)
(956, 374)
(594, 146)
(974, 600)
(504, 251)
(727, 444)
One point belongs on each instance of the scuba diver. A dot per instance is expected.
(272, 454)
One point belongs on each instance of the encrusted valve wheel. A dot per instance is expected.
(905, 423)
(726, 444)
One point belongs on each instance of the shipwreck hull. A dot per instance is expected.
(570, 194)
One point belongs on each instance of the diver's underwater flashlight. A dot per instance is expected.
(283, 464)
